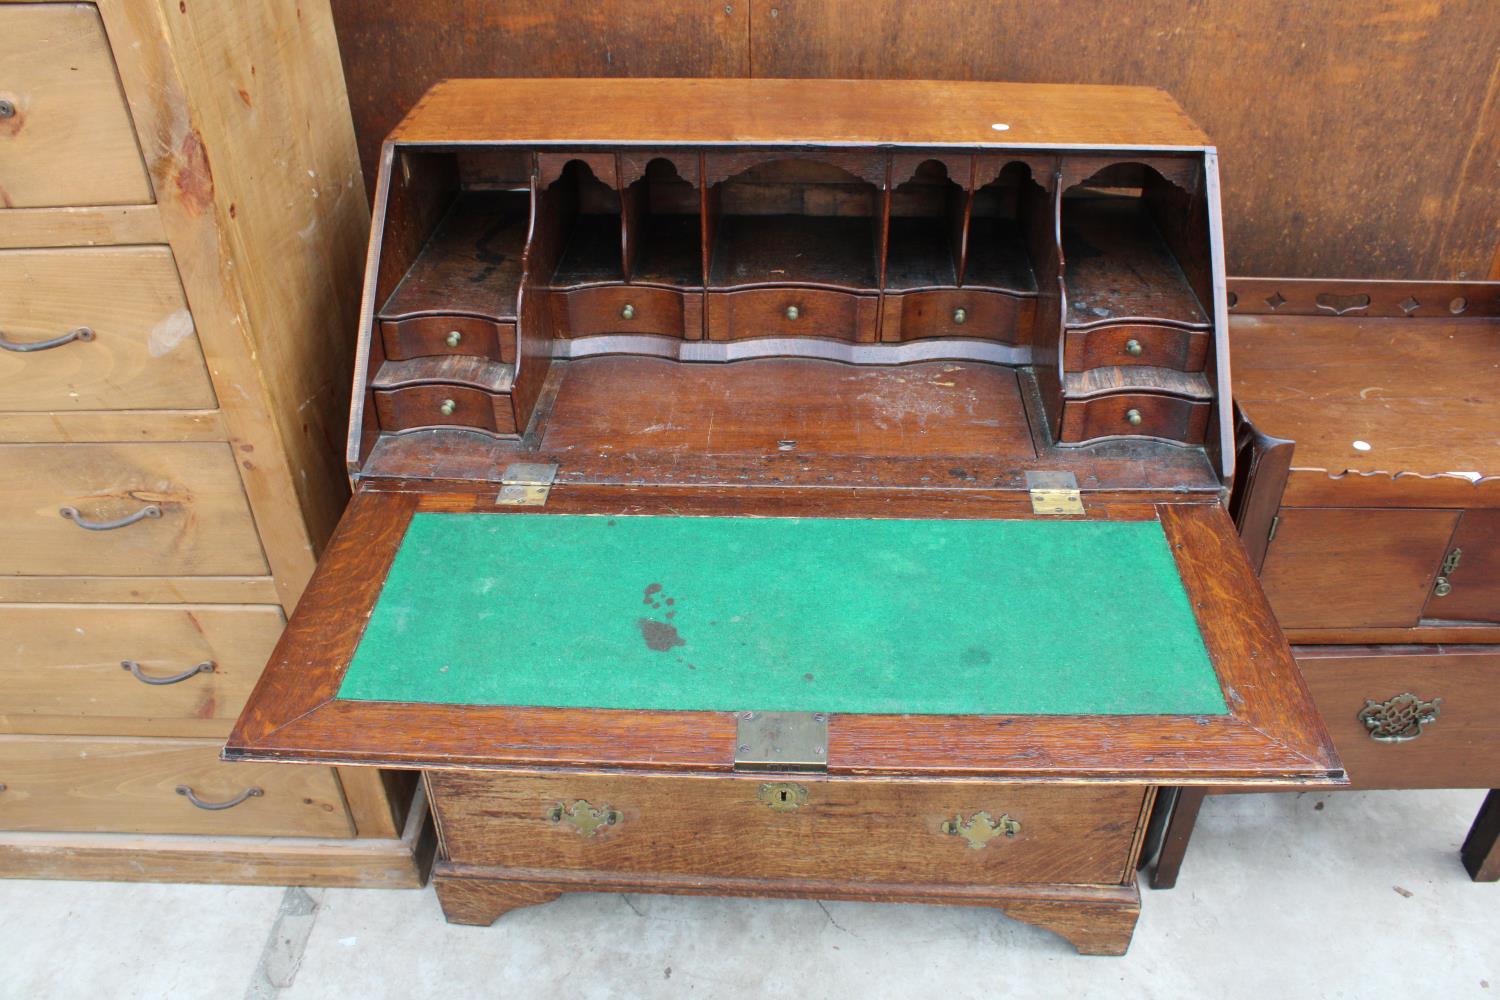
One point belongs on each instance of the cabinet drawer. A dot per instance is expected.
(202, 524)
(586, 312)
(845, 828)
(1136, 344)
(1347, 567)
(97, 670)
(957, 313)
(444, 406)
(69, 139)
(791, 312)
(1159, 416)
(1459, 748)
(434, 336)
(132, 343)
(80, 784)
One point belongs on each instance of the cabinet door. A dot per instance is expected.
(1354, 568)
(1473, 591)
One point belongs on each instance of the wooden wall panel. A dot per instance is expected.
(1357, 140)
(394, 52)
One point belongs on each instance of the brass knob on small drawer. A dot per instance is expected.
(7, 109)
(627, 311)
(960, 316)
(1133, 348)
(453, 339)
(447, 408)
(1442, 588)
(792, 312)
(1133, 417)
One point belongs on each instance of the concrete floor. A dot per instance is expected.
(1346, 895)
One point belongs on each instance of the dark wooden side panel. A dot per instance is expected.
(1460, 748)
(1346, 567)
(1475, 579)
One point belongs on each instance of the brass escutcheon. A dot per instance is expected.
(783, 796)
(981, 828)
(586, 819)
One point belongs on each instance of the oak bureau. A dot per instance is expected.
(806, 488)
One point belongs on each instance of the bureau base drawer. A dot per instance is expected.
(80, 784)
(788, 827)
(1458, 688)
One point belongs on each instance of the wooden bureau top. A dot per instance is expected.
(792, 112)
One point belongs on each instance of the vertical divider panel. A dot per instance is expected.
(961, 216)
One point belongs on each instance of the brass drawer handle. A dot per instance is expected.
(206, 667)
(7, 109)
(249, 793)
(960, 316)
(792, 312)
(627, 311)
(453, 339)
(71, 513)
(82, 333)
(1399, 719)
(1133, 417)
(447, 408)
(586, 819)
(1133, 348)
(981, 828)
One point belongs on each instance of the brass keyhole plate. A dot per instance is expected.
(783, 796)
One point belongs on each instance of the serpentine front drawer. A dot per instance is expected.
(125, 510)
(101, 328)
(85, 784)
(131, 669)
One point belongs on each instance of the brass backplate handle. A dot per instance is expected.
(249, 793)
(1398, 719)
(206, 667)
(82, 333)
(72, 514)
(981, 828)
(587, 819)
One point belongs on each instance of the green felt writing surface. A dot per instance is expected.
(786, 614)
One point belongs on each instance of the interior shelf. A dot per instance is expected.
(591, 255)
(997, 257)
(670, 252)
(1118, 266)
(920, 254)
(472, 262)
(837, 251)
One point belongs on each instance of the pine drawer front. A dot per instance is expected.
(1387, 691)
(68, 138)
(792, 312)
(1136, 344)
(587, 312)
(201, 523)
(82, 784)
(136, 670)
(97, 329)
(741, 826)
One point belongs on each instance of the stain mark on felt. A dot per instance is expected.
(659, 635)
(651, 591)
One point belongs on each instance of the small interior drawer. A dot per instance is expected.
(586, 312)
(957, 313)
(69, 140)
(1134, 415)
(435, 336)
(174, 509)
(103, 328)
(82, 784)
(142, 670)
(1387, 691)
(792, 312)
(417, 406)
(1136, 344)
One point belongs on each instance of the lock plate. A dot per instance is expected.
(782, 796)
(781, 741)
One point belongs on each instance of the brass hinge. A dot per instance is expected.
(526, 484)
(781, 741)
(1054, 493)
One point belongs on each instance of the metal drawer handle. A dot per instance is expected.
(960, 316)
(627, 311)
(249, 793)
(82, 333)
(71, 513)
(206, 667)
(1399, 719)
(1133, 417)
(454, 338)
(792, 312)
(981, 828)
(1133, 348)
